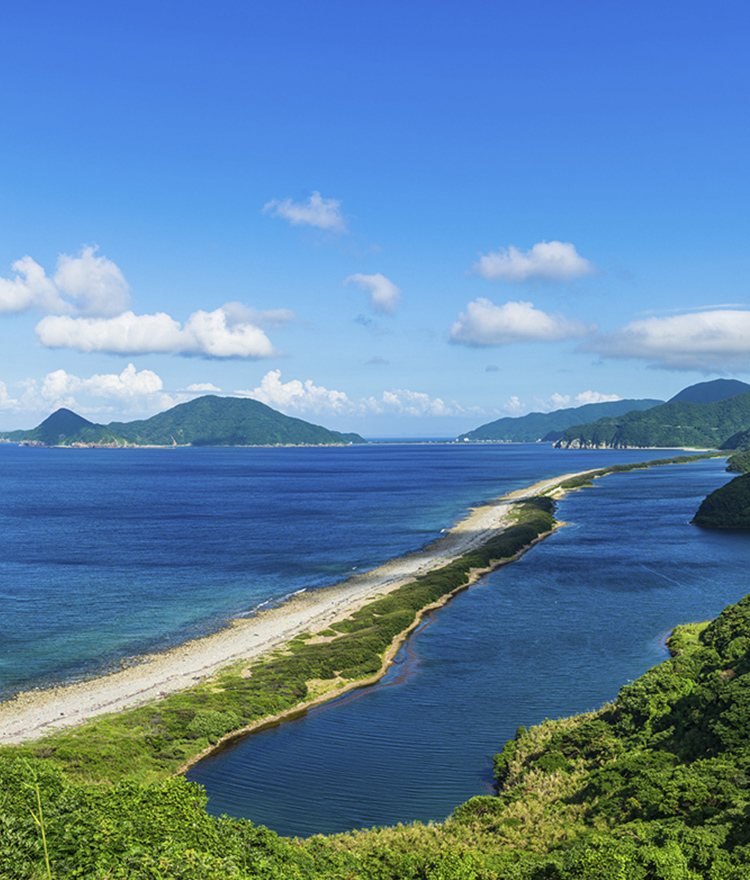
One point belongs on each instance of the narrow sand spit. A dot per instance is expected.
(33, 713)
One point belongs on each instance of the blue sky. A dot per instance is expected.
(401, 219)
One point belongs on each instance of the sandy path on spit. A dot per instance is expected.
(33, 713)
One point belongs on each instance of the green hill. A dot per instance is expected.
(728, 507)
(550, 426)
(711, 392)
(206, 421)
(674, 424)
(57, 428)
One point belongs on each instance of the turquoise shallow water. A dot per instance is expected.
(106, 553)
(109, 553)
(555, 633)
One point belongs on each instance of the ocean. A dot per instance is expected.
(110, 553)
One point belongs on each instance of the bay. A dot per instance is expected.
(556, 633)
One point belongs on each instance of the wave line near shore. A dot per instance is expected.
(34, 713)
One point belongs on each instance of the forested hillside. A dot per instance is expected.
(654, 785)
(550, 426)
(728, 507)
(206, 421)
(679, 424)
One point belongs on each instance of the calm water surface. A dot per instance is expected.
(108, 553)
(555, 633)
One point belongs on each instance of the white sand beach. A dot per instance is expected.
(32, 714)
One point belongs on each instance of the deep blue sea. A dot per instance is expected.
(108, 553)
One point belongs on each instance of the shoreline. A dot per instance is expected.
(31, 714)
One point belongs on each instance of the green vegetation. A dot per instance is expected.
(147, 743)
(728, 507)
(675, 424)
(206, 421)
(739, 463)
(587, 479)
(652, 787)
(550, 426)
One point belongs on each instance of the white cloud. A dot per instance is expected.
(514, 406)
(30, 289)
(128, 384)
(595, 397)
(546, 260)
(484, 323)
(207, 334)
(384, 295)
(202, 388)
(565, 401)
(317, 211)
(95, 283)
(131, 392)
(6, 401)
(711, 341)
(298, 396)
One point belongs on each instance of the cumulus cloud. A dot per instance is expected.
(711, 341)
(383, 293)
(129, 392)
(96, 284)
(127, 384)
(6, 401)
(298, 396)
(484, 324)
(30, 289)
(202, 388)
(207, 334)
(316, 211)
(595, 397)
(564, 401)
(545, 261)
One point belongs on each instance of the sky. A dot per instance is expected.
(404, 219)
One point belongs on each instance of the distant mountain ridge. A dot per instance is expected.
(205, 421)
(551, 426)
(710, 392)
(710, 414)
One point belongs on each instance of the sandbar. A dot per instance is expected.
(34, 713)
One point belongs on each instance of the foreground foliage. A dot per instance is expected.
(654, 785)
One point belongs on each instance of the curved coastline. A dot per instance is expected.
(32, 714)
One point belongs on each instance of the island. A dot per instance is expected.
(205, 421)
